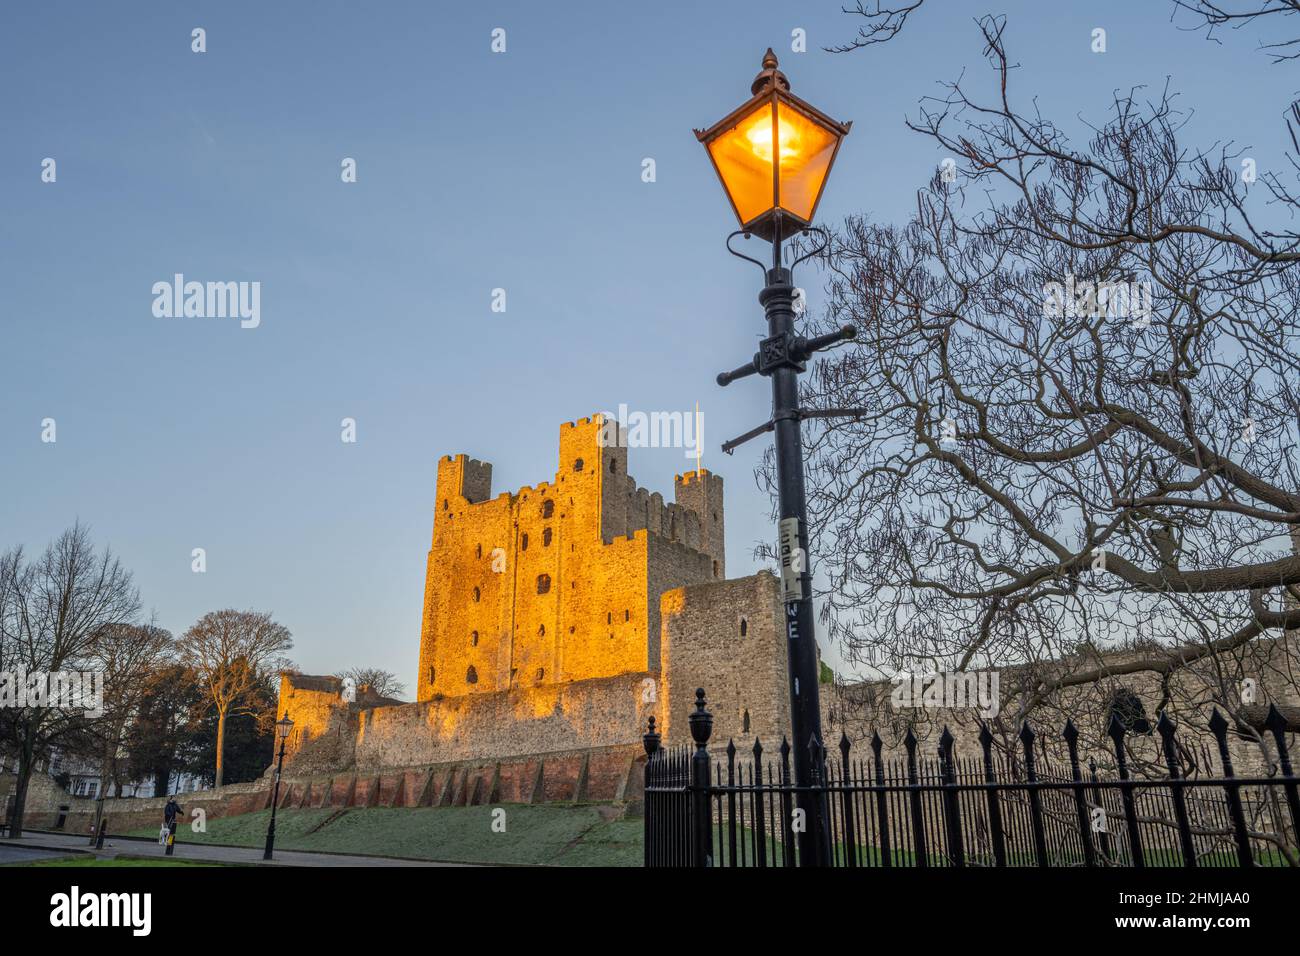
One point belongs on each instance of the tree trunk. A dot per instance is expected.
(221, 741)
(162, 776)
(25, 763)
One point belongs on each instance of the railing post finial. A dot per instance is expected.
(650, 739)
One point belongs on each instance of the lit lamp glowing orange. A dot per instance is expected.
(773, 155)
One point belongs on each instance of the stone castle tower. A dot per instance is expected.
(557, 619)
(560, 581)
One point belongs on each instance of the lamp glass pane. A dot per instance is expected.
(743, 155)
(806, 149)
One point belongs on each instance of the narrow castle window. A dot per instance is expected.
(715, 569)
(541, 630)
(548, 508)
(523, 542)
(609, 617)
(478, 551)
(543, 583)
(471, 675)
(546, 538)
(577, 465)
(745, 723)
(473, 638)
(627, 615)
(744, 627)
(613, 466)
(476, 595)
(431, 673)
(541, 672)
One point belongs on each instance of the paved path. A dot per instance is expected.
(12, 853)
(36, 845)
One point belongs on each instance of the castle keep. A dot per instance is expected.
(557, 619)
(561, 581)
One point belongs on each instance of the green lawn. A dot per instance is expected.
(584, 835)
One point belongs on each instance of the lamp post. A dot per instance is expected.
(773, 155)
(282, 728)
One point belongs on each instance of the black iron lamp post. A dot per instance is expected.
(773, 155)
(282, 728)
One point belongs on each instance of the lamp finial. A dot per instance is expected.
(769, 75)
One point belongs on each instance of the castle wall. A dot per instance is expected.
(858, 709)
(538, 719)
(725, 636)
(743, 674)
(311, 703)
(561, 617)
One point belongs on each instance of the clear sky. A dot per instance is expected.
(475, 171)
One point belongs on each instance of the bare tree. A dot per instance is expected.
(231, 651)
(129, 655)
(1079, 383)
(1210, 16)
(51, 610)
(382, 682)
(883, 23)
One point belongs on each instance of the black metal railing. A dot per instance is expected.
(729, 809)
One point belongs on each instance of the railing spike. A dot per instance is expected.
(1218, 725)
(1275, 722)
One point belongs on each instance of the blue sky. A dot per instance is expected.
(476, 171)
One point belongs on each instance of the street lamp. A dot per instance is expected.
(773, 155)
(282, 728)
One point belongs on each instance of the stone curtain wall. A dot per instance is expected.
(311, 702)
(611, 774)
(729, 638)
(599, 712)
(858, 709)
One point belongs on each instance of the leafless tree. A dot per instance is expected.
(883, 23)
(1209, 17)
(1079, 376)
(382, 682)
(51, 610)
(231, 651)
(129, 655)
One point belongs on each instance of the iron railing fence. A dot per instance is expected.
(739, 809)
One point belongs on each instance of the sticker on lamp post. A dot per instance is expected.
(792, 561)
